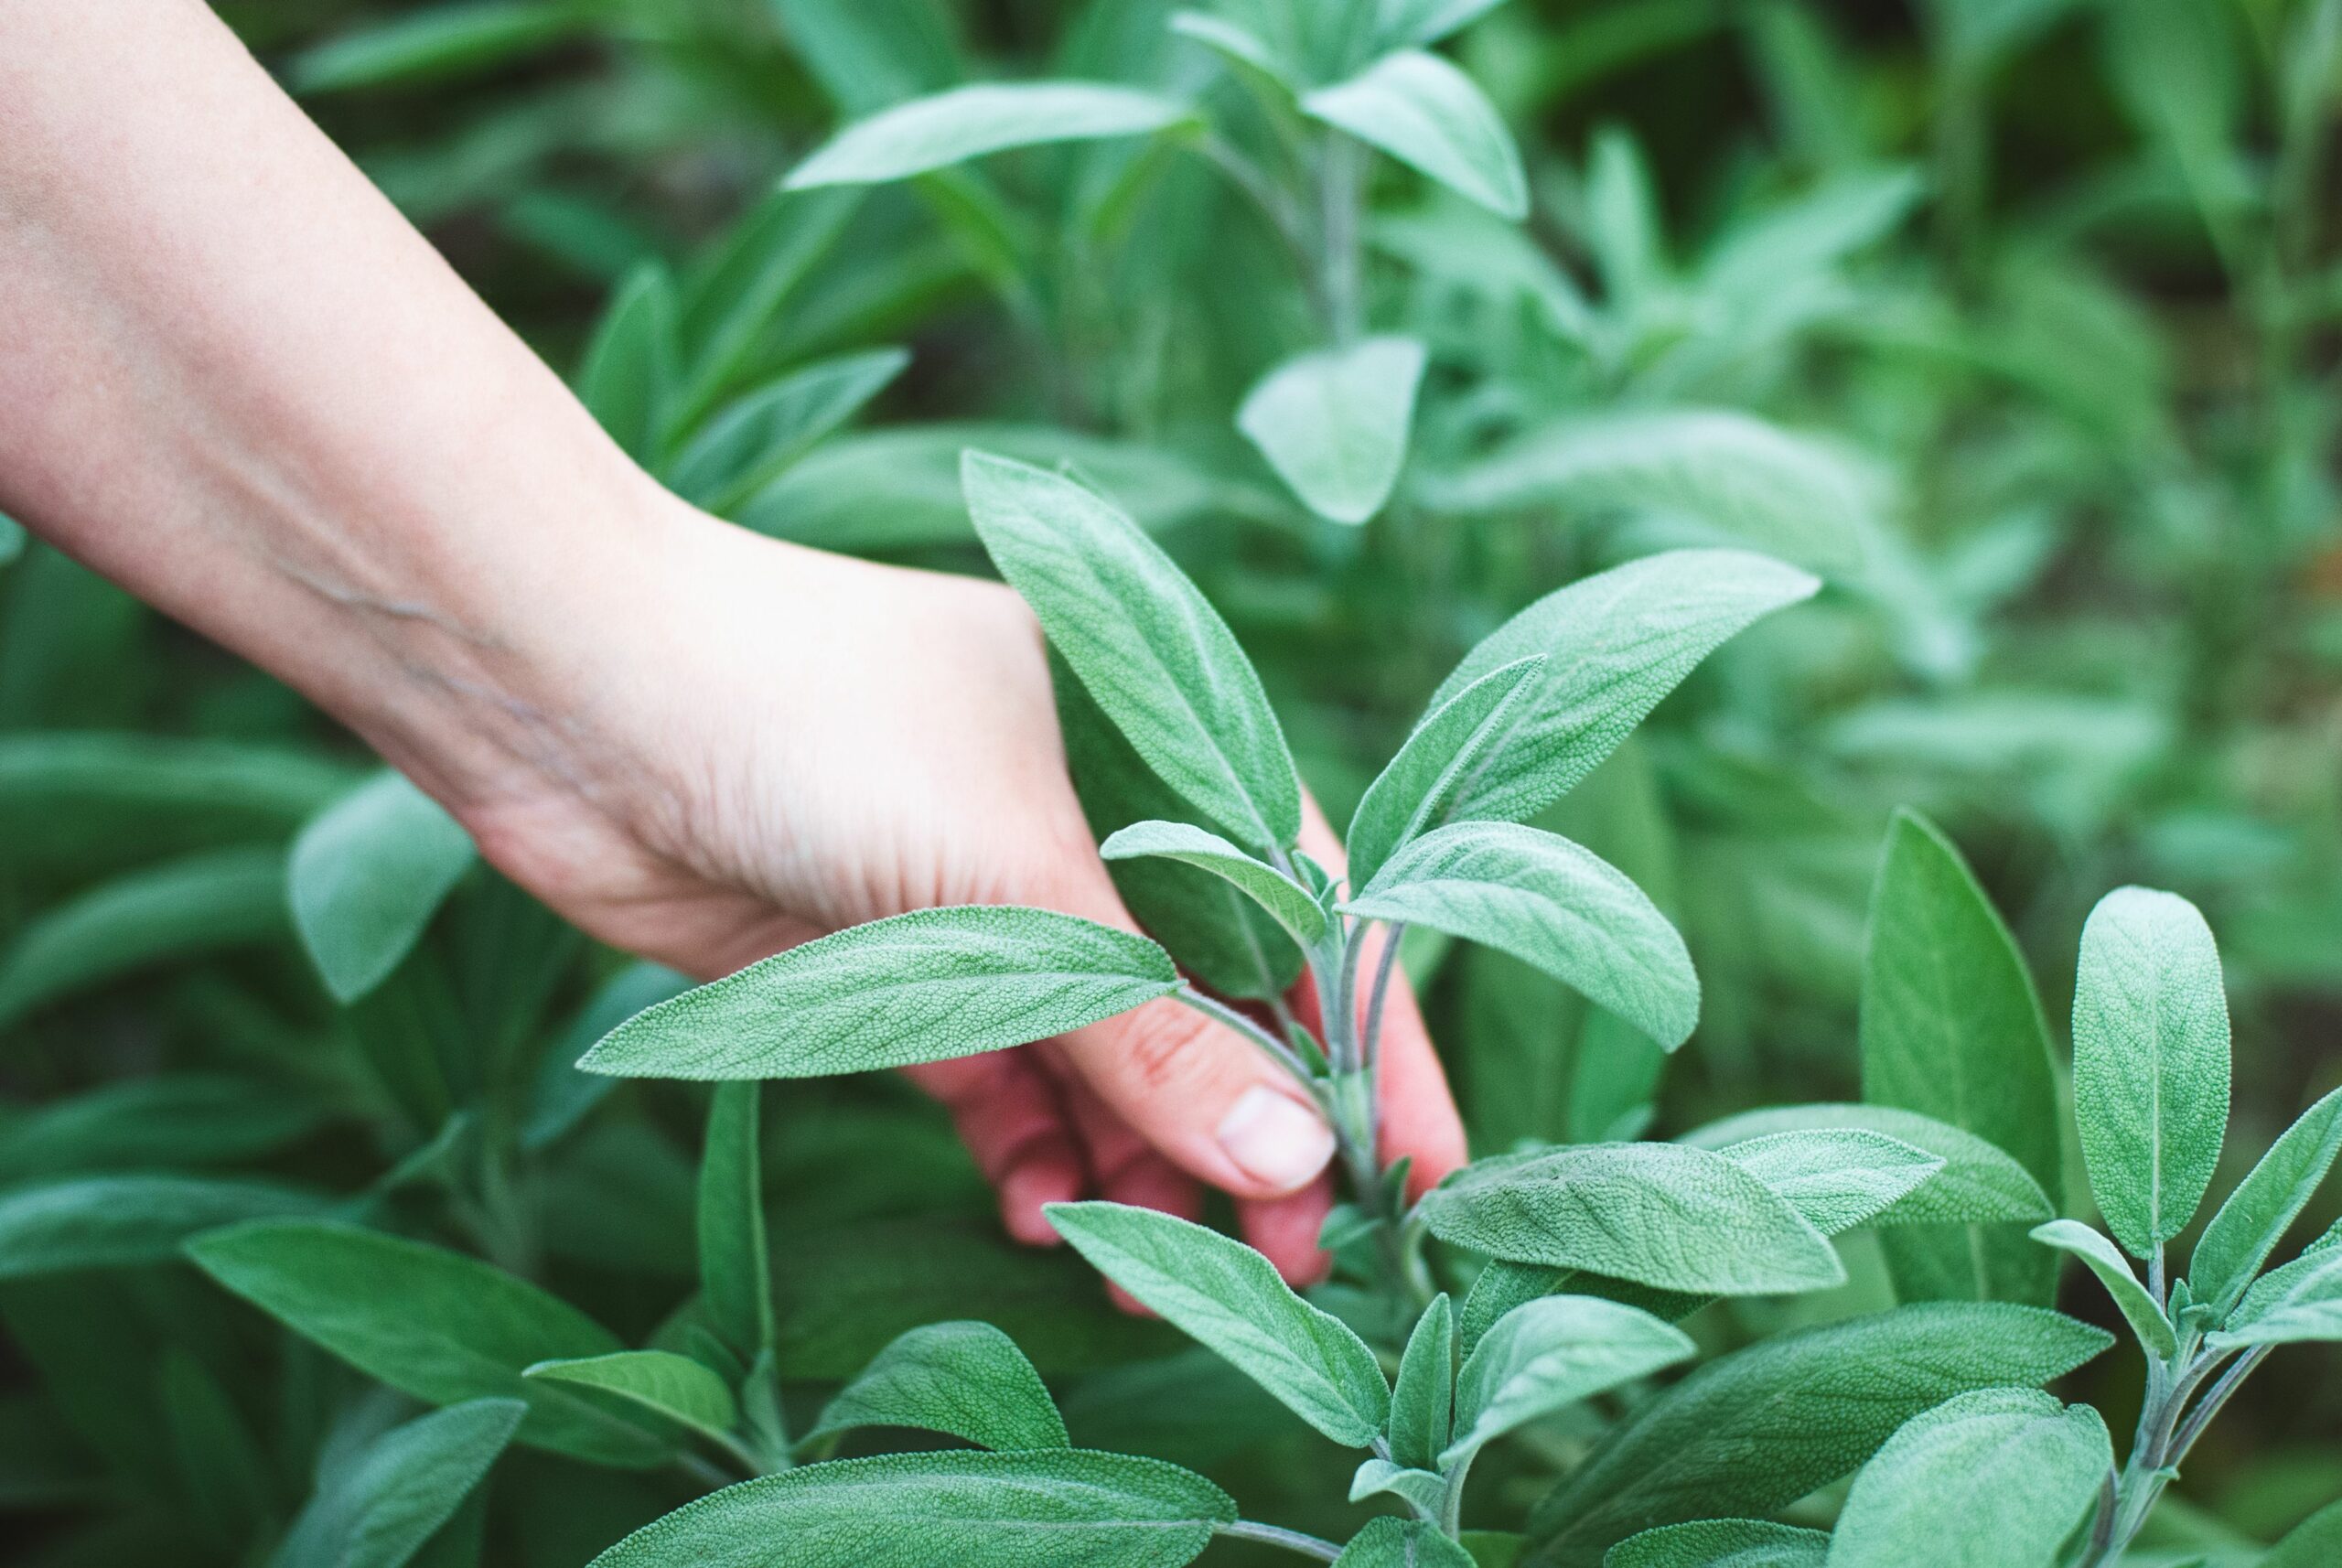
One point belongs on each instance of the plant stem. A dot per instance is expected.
(1276, 1535)
(1221, 1012)
(1340, 169)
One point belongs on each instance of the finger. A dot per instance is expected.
(1008, 1113)
(1125, 1168)
(1419, 1122)
(1285, 1229)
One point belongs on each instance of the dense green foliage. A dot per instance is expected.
(1758, 515)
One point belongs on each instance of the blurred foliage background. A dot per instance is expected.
(2016, 318)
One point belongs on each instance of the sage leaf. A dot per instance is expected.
(965, 1379)
(2315, 1543)
(376, 1508)
(1419, 22)
(1657, 1214)
(2106, 1260)
(632, 372)
(2302, 1301)
(1155, 655)
(1722, 1543)
(433, 44)
(1280, 895)
(119, 1221)
(1758, 1429)
(1431, 116)
(1917, 1503)
(1614, 645)
(89, 803)
(2151, 1062)
(1236, 43)
(970, 1509)
(1422, 1398)
(921, 987)
(171, 1122)
(2257, 1215)
(1227, 1297)
(951, 127)
(675, 1387)
(1952, 1029)
(431, 1323)
(1837, 1177)
(1333, 423)
(366, 876)
(1413, 790)
(734, 1264)
(1402, 1543)
(754, 441)
(1425, 1491)
(1978, 1184)
(1549, 903)
(1550, 1354)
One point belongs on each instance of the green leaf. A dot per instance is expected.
(1614, 645)
(177, 1120)
(1951, 1028)
(1915, 1504)
(754, 441)
(2302, 1301)
(969, 1510)
(966, 123)
(1425, 1491)
(2315, 1543)
(434, 44)
(1550, 1354)
(675, 1387)
(921, 987)
(2151, 1062)
(1280, 895)
(1549, 903)
(1422, 1400)
(632, 372)
(1657, 1214)
(1151, 650)
(376, 1508)
(735, 1263)
(1226, 1295)
(366, 876)
(1333, 423)
(1236, 43)
(1722, 1543)
(1415, 790)
(562, 1096)
(1838, 1178)
(2264, 1206)
(1979, 1184)
(2105, 1260)
(205, 903)
(431, 1323)
(967, 1378)
(1422, 21)
(1756, 1430)
(1431, 116)
(1402, 1543)
(117, 1222)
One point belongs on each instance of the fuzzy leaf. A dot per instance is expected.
(2315, 1543)
(675, 1387)
(1422, 1400)
(1333, 423)
(2113, 1271)
(965, 123)
(2151, 1062)
(435, 43)
(754, 441)
(1428, 21)
(632, 372)
(431, 1323)
(2264, 1206)
(1431, 116)
(2302, 1301)
(1551, 1354)
(1151, 650)
(379, 1507)
(1549, 903)
(119, 1221)
(1422, 1490)
(921, 987)
(1919, 1503)
(1979, 1184)
(1227, 1296)
(1402, 1543)
(1280, 895)
(365, 877)
(1838, 1178)
(1657, 1214)
(735, 1263)
(1614, 645)
(1413, 790)
(969, 1509)
(966, 1378)
(1758, 1429)
(1722, 1543)
(1952, 1029)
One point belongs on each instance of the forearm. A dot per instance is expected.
(233, 379)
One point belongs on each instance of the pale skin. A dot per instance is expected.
(235, 380)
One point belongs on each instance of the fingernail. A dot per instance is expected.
(1277, 1141)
